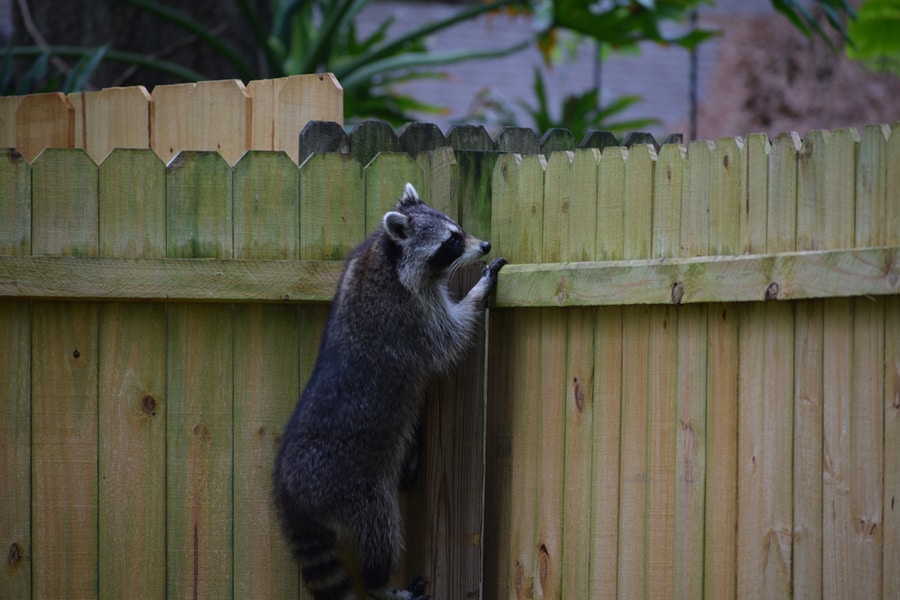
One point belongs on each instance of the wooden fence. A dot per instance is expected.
(690, 384)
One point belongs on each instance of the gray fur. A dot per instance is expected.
(392, 327)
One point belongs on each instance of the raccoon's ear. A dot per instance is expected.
(410, 196)
(397, 225)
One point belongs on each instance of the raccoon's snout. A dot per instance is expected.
(485, 247)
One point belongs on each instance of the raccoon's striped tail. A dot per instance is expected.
(315, 548)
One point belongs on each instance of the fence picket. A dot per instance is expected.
(16, 456)
(891, 514)
(111, 118)
(266, 382)
(636, 333)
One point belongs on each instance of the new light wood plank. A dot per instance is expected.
(117, 117)
(43, 121)
(283, 106)
(8, 107)
(214, 116)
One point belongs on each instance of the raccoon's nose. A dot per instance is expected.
(485, 247)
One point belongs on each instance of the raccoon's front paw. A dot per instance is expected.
(490, 271)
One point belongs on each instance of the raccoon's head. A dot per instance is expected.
(431, 245)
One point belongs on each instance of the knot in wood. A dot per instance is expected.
(772, 291)
(677, 292)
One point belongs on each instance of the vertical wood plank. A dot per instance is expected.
(43, 121)
(64, 450)
(385, 178)
(15, 386)
(8, 107)
(689, 421)
(577, 202)
(513, 395)
(16, 450)
(200, 392)
(132, 467)
(283, 106)
(835, 217)
(213, 116)
(15, 204)
(111, 118)
(132, 398)
(608, 369)
(64, 387)
(891, 552)
(765, 476)
(266, 381)
(332, 222)
(663, 378)
(199, 434)
(64, 204)
(636, 326)
(199, 207)
(132, 205)
(867, 412)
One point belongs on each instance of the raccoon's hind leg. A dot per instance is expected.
(379, 542)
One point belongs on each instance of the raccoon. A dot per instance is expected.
(350, 442)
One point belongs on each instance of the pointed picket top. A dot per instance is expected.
(521, 140)
(44, 121)
(421, 137)
(111, 118)
(555, 140)
(209, 115)
(283, 106)
(599, 139)
(322, 136)
(371, 137)
(470, 137)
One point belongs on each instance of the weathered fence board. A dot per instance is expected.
(640, 420)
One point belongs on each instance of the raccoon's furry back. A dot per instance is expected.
(391, 328)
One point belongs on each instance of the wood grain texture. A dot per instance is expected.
(15, 204)
(16, 450)
(111, 118)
